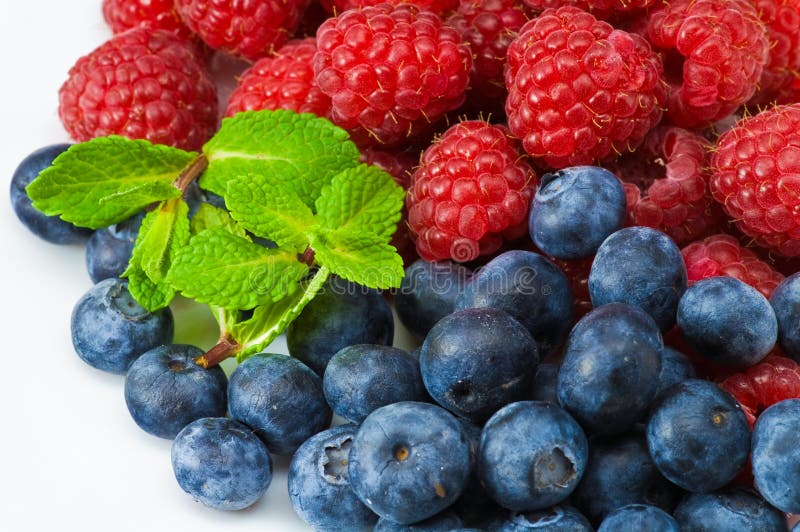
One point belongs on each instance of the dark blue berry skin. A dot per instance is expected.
(477, 360)
(796, 527)
(544, 383)
(428, 293)
(609, 374)
(532, 455)
(474, 505)
(575, 209)
(165, 390)
(643, 268)
(639, 517)
(341, 314)
(446, 521)
(785, 301)
(727, 322)
(221, 463)
(621, 472)
(675, 367)
(50, 228)
(530, 288)
(732, 509)
(776, 455)
(280, 398)
(363, 377)
(110, 329)
(109, 250)
(555, 519)
(698, 436)
(409, 461)
(319, 486)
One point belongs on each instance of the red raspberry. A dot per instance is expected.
(251, 29)
(471, 190)
(599, 7)
(283, 81)
(390, 70)
(782, 72)
(577, 271)
(666, 184)
(722, 255)
(141, 84)
(771, 381)
(123, 15)
(715, 51)
(437, 6)
(756, 177)
(580, 91)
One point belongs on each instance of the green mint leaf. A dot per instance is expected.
(150, 295)
(108, 179)
(230, 271)
(208, 216)
(163, 233)
(302, 150)
(359, 257)
(270, 210)
(363, 199)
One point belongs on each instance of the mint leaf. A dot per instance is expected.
(208, 216)
(108, 179)
(363, 199)
(269, 209)
(359, 257)
(163, 233)
(302, 150)
(229, 271)
(150, 295)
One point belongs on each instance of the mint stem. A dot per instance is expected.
(224, 348)
(191, 172)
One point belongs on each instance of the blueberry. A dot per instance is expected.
(280, 398)
(109, 250)
(553, 519)
(319, 486)
(446, 521)
(698, 436)
(221, 463)
(409, 461)
(776, 455)
(785, 301)
(732, 509)
(675, 367)
(727, 322)
(532, 455)
(50, 228)
(575, 209)
(544, 383)
(165, 390)
(621, 472)
(110, 329)
(341, 314)
(609, 374)
(363, 377)
(530, 288)
(638, 517)
(643, 268)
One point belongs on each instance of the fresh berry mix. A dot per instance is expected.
(771, 381)
(123, 15)
(781, 76)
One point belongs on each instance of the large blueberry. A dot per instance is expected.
(785, 301)
(363, 377)
(50, 228)
(638, 517)
(341, 314)
(109, 250)
(280, 398)
(110, 329)
(609, 374)
(553, 519)
(675, 367)
(733, 509)
(476, 360)
(446, 521)
(319, 485)
(643, 268)
(428, 293)
(776, 455)
(221, 463)
(532, 455)
(165, 390)
(575, 209)
(409, 461)
(727, 321)
(698, 436)
(530, 288)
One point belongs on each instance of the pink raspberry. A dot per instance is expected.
(580, 91)
(471, 191)
(123, 15)
(780, 81)
(439, 7)
(390, 71)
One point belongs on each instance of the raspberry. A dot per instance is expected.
(390, 70)
(580, 91)
(437, 6)
(471, 190)
(782, 71)
(722, 255)
(666, 184)
(715, 51)
(283, 81)
(577, 271)
(599, 7)
(247, 29)
(771, 381)
(756, 177)
(123, 15)
(140, 84)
